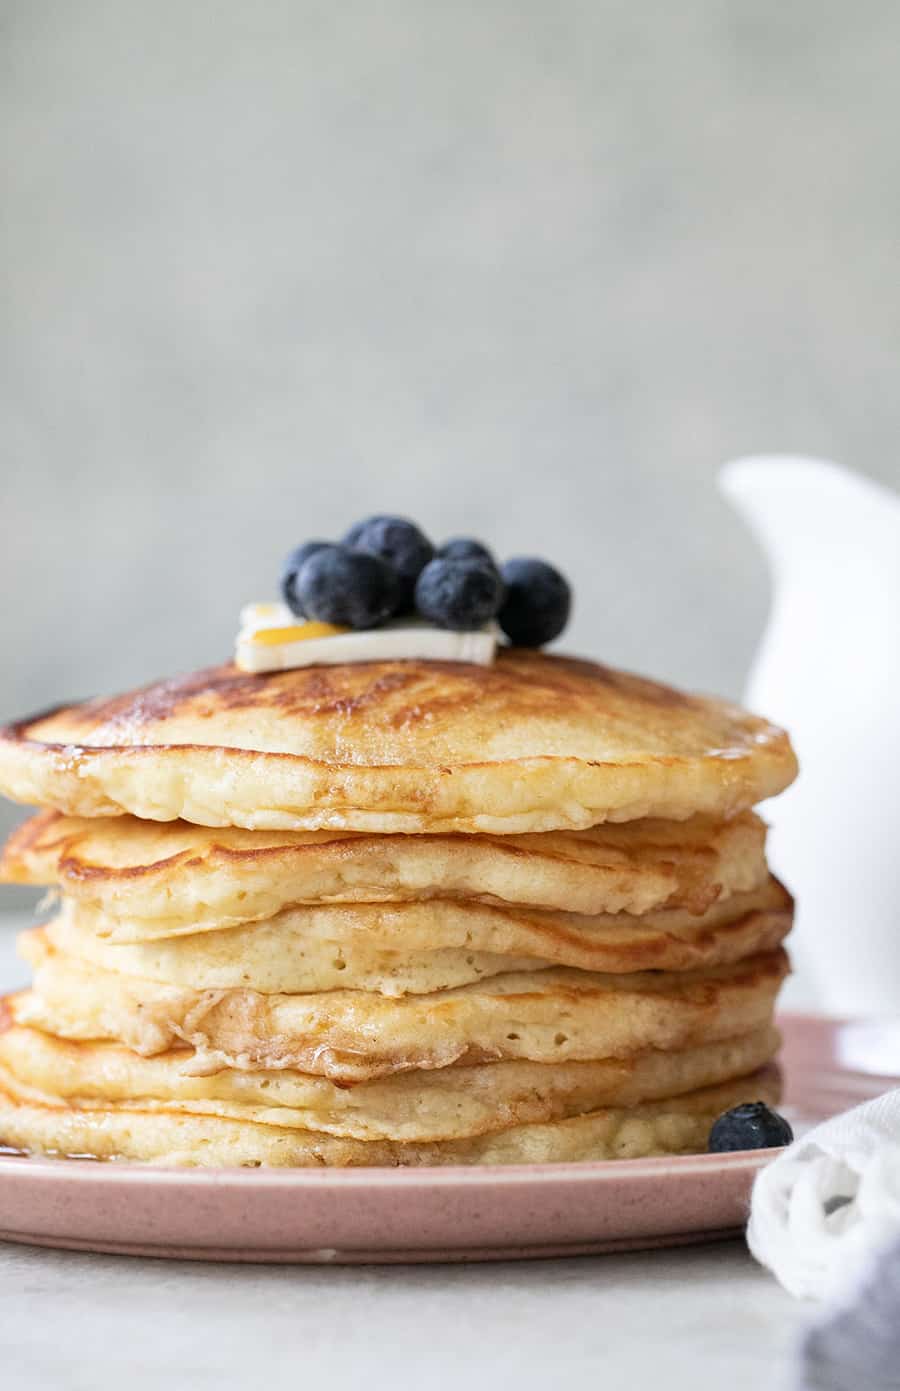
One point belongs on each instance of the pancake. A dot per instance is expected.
(451, 1103)
(293, 953)
(554, 1015)
(679, 1125)
(152, 879)
(532, 743)
(400, 948)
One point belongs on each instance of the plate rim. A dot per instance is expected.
(409, 1215)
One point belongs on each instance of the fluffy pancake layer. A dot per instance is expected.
(554, 1015)
(400, 948)
(451, 1103)
(679, 1125)
(532, 743)
(393, 913)
(151, 880)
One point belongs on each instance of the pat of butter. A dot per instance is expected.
(295, 632)
(271, 639)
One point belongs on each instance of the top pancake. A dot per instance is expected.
(531, 743)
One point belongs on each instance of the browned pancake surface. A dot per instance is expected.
(533, 742)
(162, 878)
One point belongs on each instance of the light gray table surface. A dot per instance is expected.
(700, 1317)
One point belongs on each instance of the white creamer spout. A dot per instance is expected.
(828, 668)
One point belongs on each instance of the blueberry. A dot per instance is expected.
(398, 542)
(464, 548)
(537, 604)
(337, 585)
(353, 535)
(753, 1126)
(289, 570)
(459, 594)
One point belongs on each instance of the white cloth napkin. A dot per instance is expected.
(824, 1208)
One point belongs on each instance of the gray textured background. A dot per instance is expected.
(524, 269)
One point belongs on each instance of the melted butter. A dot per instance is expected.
(296, 632)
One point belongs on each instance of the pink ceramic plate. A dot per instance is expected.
(434, 1214)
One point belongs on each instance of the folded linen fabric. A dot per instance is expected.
(823, 1209)
(855, 1344)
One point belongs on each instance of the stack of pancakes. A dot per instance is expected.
(393, 913)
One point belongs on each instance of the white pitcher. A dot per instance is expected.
(828, 669)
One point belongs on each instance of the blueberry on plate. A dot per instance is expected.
(401, 544)
(537, 604)
(337, 585)
(459, 594)
(465, 548)
(752, 1126)
(289, 572)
